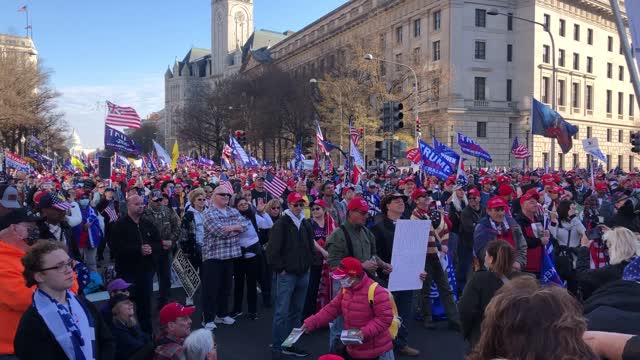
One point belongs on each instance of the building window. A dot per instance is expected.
(383, 41)
(545, 54)
(621, 50)
(609, 70)
(417, 56)
(631, 163)
(588, 131)
(620, 162)
(509, 90)
(589, 98)
(576, 32)
(436, 50)
(436, 20)
(576, 61)
(481, 18)
(545, 159)
(561, 161)
(509, 53)
(576, 160)
(620, 135)
(621, 73)
(435, 88)
(545, 90)
(481, 129)
(620, 103)
(608, 162)
(480, 49)
(509, 21)
(609, 99)
(608, 135)
(399, 61)
(510, 130)
(632, 101)
(416, 28)
(561, 57)
(590, 36)
(479, 88)
(610, 43)
(562, 27)
(575, 95)
(547, 21)
(561, 92)
(399, 34)
(589, 64)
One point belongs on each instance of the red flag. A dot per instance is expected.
(23, 9)
(355, 176)
(122, 116)
(413, 155)
(316, 166)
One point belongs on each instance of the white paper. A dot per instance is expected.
(292, 338)
(409, 254)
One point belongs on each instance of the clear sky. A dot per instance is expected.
(119, 50)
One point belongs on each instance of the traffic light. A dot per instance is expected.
(241, 136)
(418, 128)
(385, 116)
(635, 141)
(380, 149)
(397, 115)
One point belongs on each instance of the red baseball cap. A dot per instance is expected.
(486, 180)
(295, 197)
(505, 189)
(601, 187)
(349, 266)
(418, 193)
(346, 188)
(174, 310)
(496, 202)
(473, 192)
(319, 202)
(358, 203)
(556, 189)
(527, 197)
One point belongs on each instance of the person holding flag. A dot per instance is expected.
(535, 233)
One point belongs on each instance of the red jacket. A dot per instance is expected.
(374, 322)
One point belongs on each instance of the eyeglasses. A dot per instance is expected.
(316, 209)
(297, 205)
(60, 267)
(225, 195)
(275, 208)
(199, 199)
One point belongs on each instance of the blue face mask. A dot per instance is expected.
(84, 202)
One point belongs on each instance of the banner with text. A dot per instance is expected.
(119, 141)
(433, 163)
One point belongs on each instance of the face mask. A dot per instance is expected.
(84, 202)
(346, 283)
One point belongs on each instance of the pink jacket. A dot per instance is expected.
(354, 306)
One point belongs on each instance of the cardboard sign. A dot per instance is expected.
(186, 272)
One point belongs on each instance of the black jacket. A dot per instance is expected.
(131, 342)
(34, 341)
(469, 218)
(67, 232)
(127, 239)
(476, 296)
(384, 230)
(615, 307)
(289, 248)
(591, 280)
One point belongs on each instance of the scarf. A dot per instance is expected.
(73, 328)
(296, 220)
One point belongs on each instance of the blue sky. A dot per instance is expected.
(119, 50)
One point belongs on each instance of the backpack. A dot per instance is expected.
(397, 321)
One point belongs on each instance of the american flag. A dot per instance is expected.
(59, 202)
(355, 135)
(520, 151)
(113, 216)
(224, 182)
(274, 185)
(320, 139)
(122, 116)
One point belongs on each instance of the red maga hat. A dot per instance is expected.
(174, 310)
(349, 266)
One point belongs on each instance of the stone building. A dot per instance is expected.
(23, 46)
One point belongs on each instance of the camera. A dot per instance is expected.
(595, 234)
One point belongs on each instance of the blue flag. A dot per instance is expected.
(447, 152)
(238, 152)
(548, 273)
(470, 147)
(119, 141)
(433, 163)
(548, 123)
(437, 308)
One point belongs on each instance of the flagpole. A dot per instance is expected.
(26, 13)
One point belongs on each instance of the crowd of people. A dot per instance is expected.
(320, 254)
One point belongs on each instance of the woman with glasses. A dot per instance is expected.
(247, 267)
(192, 236)
(59, 324)
(320, 290)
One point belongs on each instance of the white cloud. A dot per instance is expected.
(84, 105)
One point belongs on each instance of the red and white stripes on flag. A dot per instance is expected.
(320, 139)
(113, 216)
(274, 185)
(227, 186)
(122, 116)
(519, 151)
(355, 135)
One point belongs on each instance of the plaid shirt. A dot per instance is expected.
(169, 349)
(218, 245)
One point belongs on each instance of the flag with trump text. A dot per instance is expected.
(433, 163)
(470, 147)
(446, 152)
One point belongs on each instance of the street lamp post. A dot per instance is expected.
(416, 111)
(554, 100)
(23, 140)
(315, 81)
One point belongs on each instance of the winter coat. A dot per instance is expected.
(591, 280)
(130, 341)
(615, 307)
(374, 321)
(289, 248)
(484, 233)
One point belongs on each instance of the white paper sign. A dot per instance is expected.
(409, 254)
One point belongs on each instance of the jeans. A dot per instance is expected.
(404, 303)
(216, 278)
(337, 325)
(163, 270)
(141, 294)
(245, 270)
(387, 356)
(436, 273)
(291, 291)
(311, 303)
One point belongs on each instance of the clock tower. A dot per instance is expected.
(231, 26)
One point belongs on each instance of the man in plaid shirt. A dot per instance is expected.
(222, 224)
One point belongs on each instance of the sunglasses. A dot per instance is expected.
(225, 195)
(316, 209)
(297, 205)
(199, 199)
(275, 208)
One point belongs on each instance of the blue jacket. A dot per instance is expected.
(484, 233)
